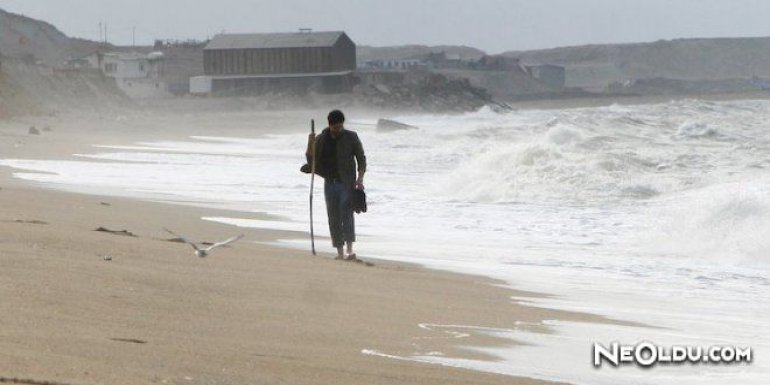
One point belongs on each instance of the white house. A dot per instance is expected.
(138, 75)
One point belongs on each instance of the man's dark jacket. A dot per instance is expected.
(350, 152)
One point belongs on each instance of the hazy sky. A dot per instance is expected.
(492, 25)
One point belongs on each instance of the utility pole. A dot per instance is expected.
(134, 36)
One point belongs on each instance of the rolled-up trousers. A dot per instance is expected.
(339, 209)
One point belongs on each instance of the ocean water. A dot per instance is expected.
(654, 214)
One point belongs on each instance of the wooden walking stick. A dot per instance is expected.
(312, 181)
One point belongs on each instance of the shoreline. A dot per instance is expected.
(91, 317)
(633, 100)
(544, 334)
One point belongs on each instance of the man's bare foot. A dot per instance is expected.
(351, 257)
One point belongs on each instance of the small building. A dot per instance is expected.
(136, 74)
(393, 64)
(443, 60)
(549, 74)
(257, 63)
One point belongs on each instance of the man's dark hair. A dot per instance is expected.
(336, 117)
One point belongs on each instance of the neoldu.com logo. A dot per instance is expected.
(647, 354)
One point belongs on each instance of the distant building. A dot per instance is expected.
(393, 64)
(549, 74)
(256, 63)
(136, 74)
(443, 60)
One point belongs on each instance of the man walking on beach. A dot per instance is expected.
(339, 154)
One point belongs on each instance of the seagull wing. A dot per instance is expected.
(225, 242)
(185, 240)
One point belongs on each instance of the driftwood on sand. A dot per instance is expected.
(115, 232)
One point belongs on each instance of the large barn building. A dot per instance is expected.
(258, 63)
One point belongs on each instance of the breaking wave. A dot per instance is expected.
(595, 155)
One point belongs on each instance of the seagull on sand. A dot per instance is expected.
(200, 251)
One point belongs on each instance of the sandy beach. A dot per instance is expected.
(248, 314)
(584, 208)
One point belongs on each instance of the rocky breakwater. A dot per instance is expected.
(432, 93)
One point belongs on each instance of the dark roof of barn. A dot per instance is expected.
(274, 40)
